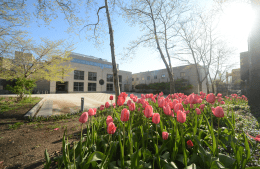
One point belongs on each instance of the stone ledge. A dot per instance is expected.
(34, 110)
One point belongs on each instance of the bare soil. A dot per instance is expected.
(24, 147)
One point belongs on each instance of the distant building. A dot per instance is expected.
(91, 74)
(187, 72)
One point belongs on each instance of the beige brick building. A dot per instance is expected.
(187, 72)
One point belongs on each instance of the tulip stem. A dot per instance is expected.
(218, 136)
(156, 133)
(124, 145)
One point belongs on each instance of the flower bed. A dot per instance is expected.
(178, 131)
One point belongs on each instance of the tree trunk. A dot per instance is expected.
(115, 77)
(172, 85)
(213, 90)
(200, 87)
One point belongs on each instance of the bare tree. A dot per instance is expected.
(157, 19)
(70, 10)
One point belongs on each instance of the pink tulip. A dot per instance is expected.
(222, 102)
(161, 94)
(218, 111)
(135, 99)
(167, 110)
(120, 101)
(191, 106)
(177, 107)
(156, 118)
(56, 129)
(198, 111)
(219, 99)
(114, 105)
(109, 119)
(95, 110)
(202, 106)
(219, 95)
(148, 112)
(111, 97)
(102, 107)
(132, 107)
(181, 117)
(83, 118)
(128, 103)
(161, 103)
(107, 105)
(125, 115)
(257, 138)
(165, 135)
(91, 112)
(111, 128)
(210, 98)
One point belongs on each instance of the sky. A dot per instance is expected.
(235, 25)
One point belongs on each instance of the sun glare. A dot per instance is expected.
(236, 23)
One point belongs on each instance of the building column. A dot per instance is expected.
(52, 87)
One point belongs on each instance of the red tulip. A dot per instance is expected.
(219, 99)
(198, 111)
(107, 105)
(222, 102)
(211, 98)
(181, 117)
(189, 143)
(165, 135)
(191, 106)
(132, 96)
(109, 119)
(132, 107)
(167, 110)
(91, 112)
(192, 98)
(156, 118)
(148, 112)
(128, 103)
(219, 95)
(257, 138)
(84, 117)
(111, 97)
(95, 110)
(120, 101)
(177, 107)
(102, 107)
(218, 111)
(161, 94)
(124, 115)
(135, 99)
(124, 95)
(111, 128)
(199, 101)
(114, 105)
(202, 106)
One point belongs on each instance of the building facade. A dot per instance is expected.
(187, 72)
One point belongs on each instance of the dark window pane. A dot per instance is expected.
(120, 78)
(109, 78)
(81, 84)
(80, 88)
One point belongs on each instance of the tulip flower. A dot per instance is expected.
(83, 118)
(107, 105)
(257, 138)
(219, 95)
(156, 118)
(189, 143)
(148, 112)
(181, 117)
(210, 98)
(165, 135)
(132, 107)
(161, 103)
(161, 94)
(167, 109)
(56, 129)
(109, 120)
(111, 97)
(218, 111)
(120, 101)
(135, 99)
(114, 105)
(202, 106)
(124, 115)
(111, 128)
(222, 102)
(91, 112)
(128, 103)
(102, 107)
(177, 107)
(198, 111)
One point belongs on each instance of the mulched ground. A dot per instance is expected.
(24, 147)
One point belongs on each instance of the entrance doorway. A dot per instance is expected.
(61, 87)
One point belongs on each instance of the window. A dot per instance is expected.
(120, 78)
(78, 86)
(78, 75)
(148, 77)
(133, 79)
(142, 78)
(92, 76)
(137, 79)
(163, 76)
(133, 87)
(109, 78)
(92, 87)
(182, 74)
(155, 76)
(109, 87)
(120, 86)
